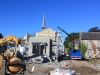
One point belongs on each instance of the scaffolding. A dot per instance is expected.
(59, 47)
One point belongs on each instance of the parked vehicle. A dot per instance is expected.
(75, 54)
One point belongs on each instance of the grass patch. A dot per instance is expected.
(95, 61)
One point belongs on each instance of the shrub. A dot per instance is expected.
(83, 49)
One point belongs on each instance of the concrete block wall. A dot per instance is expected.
(39, 39)
(54, 46)
(49, 47)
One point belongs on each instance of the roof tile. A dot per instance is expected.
(90, 36)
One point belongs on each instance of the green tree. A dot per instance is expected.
(70, 46)
(1, 36)
(69, 39)
(82, 47)
(94, 29)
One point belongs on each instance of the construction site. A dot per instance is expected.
(43, 54)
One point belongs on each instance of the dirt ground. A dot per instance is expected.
(81, 67)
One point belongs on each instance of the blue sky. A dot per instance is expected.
(20, 16)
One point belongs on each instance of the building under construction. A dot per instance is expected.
(46, 42)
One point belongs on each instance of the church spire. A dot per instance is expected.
(43, 23)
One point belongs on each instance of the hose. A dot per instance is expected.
(15, 65)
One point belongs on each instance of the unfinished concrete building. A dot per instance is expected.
(46, 45)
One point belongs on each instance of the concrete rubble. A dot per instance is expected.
(98, 66)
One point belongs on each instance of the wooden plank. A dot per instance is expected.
(2, 70)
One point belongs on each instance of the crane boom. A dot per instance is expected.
(68, 35)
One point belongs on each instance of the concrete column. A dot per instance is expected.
(45, 48)
(30, 49)
(34, 49)
(39, 49)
